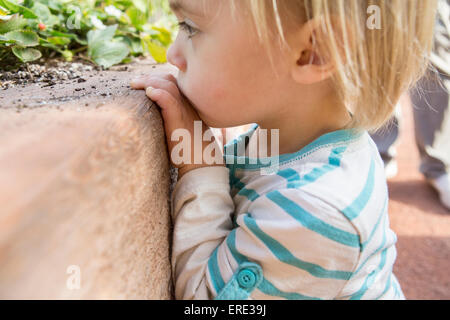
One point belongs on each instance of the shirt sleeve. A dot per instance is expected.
(201, 212)
(287, 245)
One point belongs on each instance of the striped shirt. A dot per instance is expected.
(317, 228)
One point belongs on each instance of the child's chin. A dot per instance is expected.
(212, 123)
(215, 121)
(209, 121)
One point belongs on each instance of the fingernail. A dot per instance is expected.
(149, 90)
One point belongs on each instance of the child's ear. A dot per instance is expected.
(309, 64)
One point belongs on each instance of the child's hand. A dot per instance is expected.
(176, 110)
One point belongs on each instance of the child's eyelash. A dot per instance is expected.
(189, 29)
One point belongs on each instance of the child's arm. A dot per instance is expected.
(273, 252)
(201, 212)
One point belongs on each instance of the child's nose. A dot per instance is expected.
(175, 57)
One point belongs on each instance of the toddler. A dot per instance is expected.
(315, 76)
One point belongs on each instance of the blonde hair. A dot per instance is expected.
(374, 65)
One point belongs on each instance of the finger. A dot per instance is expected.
(165, 75)
(169, 105)
(140, 82)
(171, 110)
(159, 83)
(170, 77)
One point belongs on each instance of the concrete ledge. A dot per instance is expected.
(85, 188)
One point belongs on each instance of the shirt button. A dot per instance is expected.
(246, 278)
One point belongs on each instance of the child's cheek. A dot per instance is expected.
(208, 93)
(219, 93)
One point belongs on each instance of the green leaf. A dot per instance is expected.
(16, 22)
(137, 17)
(54, 5)
(60, 41)
(44, 14)
(158, 52)
(4, 40)
(164, 35)
(111, 40)
(107, 53)
(46, 44)
(16, 8)
(107, 34)
(3, 11)
(135, 44)
(69, 36)
(23, 38)
(26, 54)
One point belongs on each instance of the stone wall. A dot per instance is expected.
(84, 198)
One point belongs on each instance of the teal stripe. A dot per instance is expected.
(214, 272)
(312, 223)
(265, 286)
(251, 194)
(271, 290)
(231, 242)
(380, 249)
(397, 294)
(336, 156)
(376, 251)
(311, 176)
(290, 175)
(236, 182)
(284, 255)
(328, 139)
(387, 287)
(233, 142)
(398, 291)
(370, 279)
(334, 162)
(230, 151)
(375, 228)
(353, 210)
(232, 177)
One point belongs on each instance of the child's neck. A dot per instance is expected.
(298, 130)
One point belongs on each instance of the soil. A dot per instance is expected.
(48, 72)
(56, 82)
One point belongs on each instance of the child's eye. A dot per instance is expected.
(191, 31)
